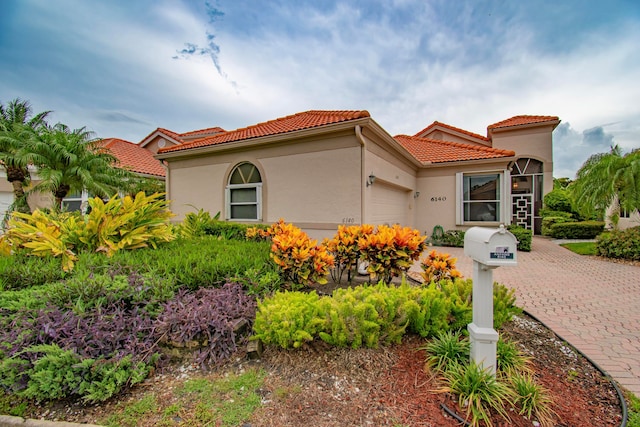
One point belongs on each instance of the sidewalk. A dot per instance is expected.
(592, 304)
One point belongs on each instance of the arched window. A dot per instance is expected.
(244, 193)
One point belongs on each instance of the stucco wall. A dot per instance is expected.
(436, 204)
(533, 142)
(314, 183)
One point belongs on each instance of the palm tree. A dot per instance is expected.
(70, 161)
(17, 128)
(608, 179)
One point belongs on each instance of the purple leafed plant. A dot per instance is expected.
(111, 331)
(207, 317)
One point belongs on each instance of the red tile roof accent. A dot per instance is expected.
(522, 120)
(206, 131)
(134, 157)
(170, 134)
(453, 128)
(427, 150)
(295, 122)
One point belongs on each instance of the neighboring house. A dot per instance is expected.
(130, 156)
(6, 195)
(626, 219)
(319, 169)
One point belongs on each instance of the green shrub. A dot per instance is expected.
(55, 373)
(369, 315)
(288, 319)
(577, 230)
(458, 292)
(523, 236)
(22, 271)
(549, 212)
(230, 230)
(558, 200)
(353, 320)
(194, 224)
(452, 238)
(199, 262)
(86, 292)
(623, 244)
(504, 305)
(549, 221)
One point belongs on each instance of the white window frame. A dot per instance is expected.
(83, 199)
(504, 203)
(257, 203)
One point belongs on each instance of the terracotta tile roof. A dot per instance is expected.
(134, 157)
(170, 134)
(453, 128)
(299, 121)
(522, 120)
(427, 150)
(206, 131)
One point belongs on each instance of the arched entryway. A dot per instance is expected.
(527, 193)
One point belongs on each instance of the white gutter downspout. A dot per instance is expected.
(362, 173)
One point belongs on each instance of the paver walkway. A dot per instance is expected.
(592, 304)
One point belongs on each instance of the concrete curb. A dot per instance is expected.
(8, 421)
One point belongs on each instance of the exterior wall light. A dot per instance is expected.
(371, 180)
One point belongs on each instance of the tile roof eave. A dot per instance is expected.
(451, 128)
(159, 132)
(548, 121)
(450, 163)
(186, 151)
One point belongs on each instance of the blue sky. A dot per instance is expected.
(123, 68)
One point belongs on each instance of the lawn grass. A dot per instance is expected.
(220, 400)
(581, 248)
(633, 404)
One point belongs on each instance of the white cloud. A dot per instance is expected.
(408, 62)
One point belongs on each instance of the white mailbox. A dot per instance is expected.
(491, 247)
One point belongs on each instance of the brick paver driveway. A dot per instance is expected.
(592, 304)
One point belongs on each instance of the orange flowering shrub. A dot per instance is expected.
(345, 249)
(390, 251)
(300, 259)
(438, 266)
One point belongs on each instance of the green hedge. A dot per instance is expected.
(523, 236)
(455, 238)
(372, 315)
(623, 244)
(577, 230)
(549, 221)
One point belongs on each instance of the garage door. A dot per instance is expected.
(6, 198)
(389, 205)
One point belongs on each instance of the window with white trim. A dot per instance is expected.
(76, 201)
(244, 193)
(481, 197)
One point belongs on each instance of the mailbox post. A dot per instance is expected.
(489, 249)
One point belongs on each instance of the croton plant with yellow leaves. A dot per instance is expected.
(345, 249)
(390, 251)
(439, 266)
(118, 224)
(301, 260)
